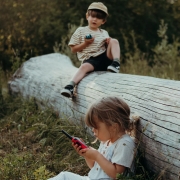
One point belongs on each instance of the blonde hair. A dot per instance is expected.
(110, 110)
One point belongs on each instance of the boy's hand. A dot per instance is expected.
(89, 41)
(107, 40)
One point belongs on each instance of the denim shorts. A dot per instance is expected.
(100, 63)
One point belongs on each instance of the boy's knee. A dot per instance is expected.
(83, 67)
(114, 41)
(86, 67)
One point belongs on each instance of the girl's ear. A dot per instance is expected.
(114, 127)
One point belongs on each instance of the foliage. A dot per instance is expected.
(63, 46)
(166, 55)
(163, 63)
(42, 173)
(31, 28)
(27, 25)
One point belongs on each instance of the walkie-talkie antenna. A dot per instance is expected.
(76, 140)
(70, 137)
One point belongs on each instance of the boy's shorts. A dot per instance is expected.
(100, 63)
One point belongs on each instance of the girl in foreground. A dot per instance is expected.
(110, 121)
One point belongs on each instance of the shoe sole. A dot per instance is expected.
(66, 93)
(112, 69)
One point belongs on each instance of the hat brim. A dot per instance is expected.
(93, 7)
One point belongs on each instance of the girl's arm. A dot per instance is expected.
(89, 162)
(80, 47)
(109, 168)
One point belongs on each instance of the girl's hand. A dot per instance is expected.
(77, 148)
(90, 153)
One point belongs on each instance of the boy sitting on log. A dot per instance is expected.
(94, 47)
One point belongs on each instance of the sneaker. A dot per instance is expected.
(67, 91)
(114, 67)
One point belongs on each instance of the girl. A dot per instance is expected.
(109, 119)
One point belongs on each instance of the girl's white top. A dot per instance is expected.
(121, 152)
(94, 49)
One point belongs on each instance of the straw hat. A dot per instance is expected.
(98, 5)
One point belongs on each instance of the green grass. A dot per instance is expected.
(31, 138)
(32, 146)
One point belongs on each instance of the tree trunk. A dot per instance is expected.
(156, 101)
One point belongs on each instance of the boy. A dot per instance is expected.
(98, 52)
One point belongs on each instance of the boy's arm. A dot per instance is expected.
(80, 47)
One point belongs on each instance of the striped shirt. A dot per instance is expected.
(94, 49)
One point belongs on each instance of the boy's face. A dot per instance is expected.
(94, 22)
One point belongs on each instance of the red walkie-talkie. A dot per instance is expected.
(76, 140)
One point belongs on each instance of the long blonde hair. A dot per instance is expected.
(110, 110)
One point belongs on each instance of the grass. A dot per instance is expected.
(32, 146)
(31, 140)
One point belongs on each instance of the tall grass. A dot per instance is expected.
(164, 61)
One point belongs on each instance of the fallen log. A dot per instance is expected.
(156, 101)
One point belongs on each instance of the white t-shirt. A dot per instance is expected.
(121, 152)
(94, 49)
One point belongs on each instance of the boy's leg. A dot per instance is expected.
(68, 176)
(113, 52)
(82, 71)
